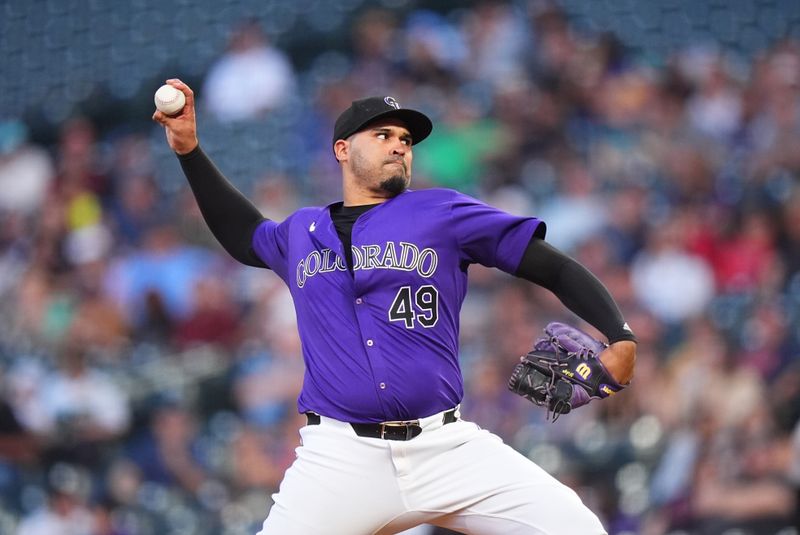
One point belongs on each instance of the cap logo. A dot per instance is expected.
(391, 102)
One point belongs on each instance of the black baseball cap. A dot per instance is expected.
(364, 111)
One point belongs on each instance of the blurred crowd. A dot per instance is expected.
(149, 381)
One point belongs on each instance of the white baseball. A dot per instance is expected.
(169, 100)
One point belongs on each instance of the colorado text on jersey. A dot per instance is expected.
(405, 257)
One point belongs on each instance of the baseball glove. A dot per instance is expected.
(563, 372)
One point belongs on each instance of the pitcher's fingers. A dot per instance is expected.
(160, 118)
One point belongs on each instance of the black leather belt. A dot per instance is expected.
(405, 430)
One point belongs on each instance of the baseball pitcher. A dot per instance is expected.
(378, 279)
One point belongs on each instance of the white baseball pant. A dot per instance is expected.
(457, 476)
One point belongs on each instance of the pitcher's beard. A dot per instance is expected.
(394, 186)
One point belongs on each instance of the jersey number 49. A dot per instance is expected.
(423, 308)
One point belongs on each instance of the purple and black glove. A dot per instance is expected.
(563, 372)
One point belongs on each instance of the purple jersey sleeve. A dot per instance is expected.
(270, 242)
(489, 236)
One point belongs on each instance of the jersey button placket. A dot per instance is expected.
(364, 309)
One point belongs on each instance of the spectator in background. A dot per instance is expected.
(122, 485)
(741, 482)
(270, 368)
(670, 281)
(626, 209)
(374, 39)
(97, 322)
(575, 213)
(135, 209)
(774, 128)
(434, 51)
(136, 203)
(457, 151)
(250, 78)
(497, 40)
(488, 405)
(715, 109)
(329, 98)
(26, 171)
(214, 317)
(36, 296)
(263, 386)
(765, 339)
(705, 377)
(744, 260)
(168, 452)
(154, 285)
(254, 466)
(83, 411)
(65, 511)
(532, 118)
(82, 177)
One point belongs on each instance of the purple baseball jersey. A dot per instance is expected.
(381, 344)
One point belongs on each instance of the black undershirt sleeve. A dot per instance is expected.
(231, 217)
(575, 286)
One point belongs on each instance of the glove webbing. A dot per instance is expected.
(549, 394)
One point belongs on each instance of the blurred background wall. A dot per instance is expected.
(148, 383)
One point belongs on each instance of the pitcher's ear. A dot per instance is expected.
(341, 149)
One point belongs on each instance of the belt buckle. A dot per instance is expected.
(407, 424)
